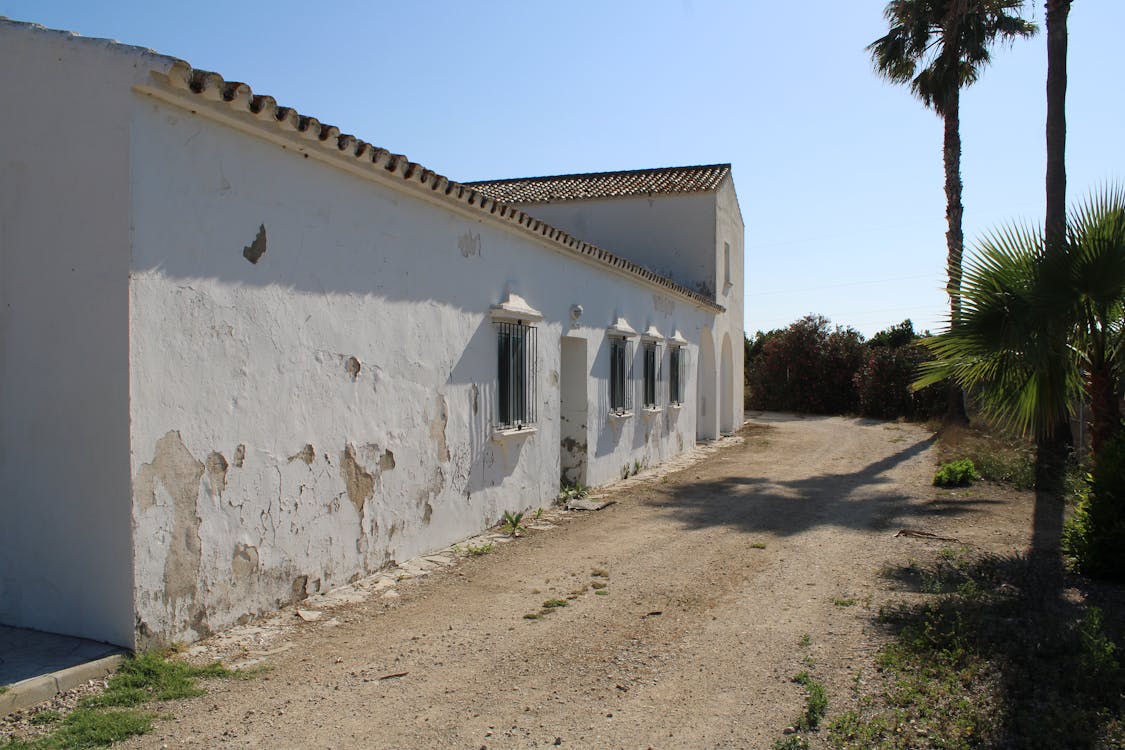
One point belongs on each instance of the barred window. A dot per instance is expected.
(515, 397)
(620, 375)
(651, 362)
(676, 375)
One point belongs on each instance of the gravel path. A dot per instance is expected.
(713, 574)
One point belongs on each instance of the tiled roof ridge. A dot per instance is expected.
(265, 111)
(676, 180)
(609, 173)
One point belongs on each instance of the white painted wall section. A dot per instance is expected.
(306, 418)
(65, 537)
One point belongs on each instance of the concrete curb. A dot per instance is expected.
(27, 693)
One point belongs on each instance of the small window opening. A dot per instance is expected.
(620, 375)
(516, 396)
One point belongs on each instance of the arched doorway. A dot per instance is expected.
(726, 386)
(706, 406)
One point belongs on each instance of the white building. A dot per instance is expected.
(245, 357)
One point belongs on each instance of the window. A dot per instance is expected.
(651, 359)
(620, 375)
(515, 367)
(726, 264)
(676, 371)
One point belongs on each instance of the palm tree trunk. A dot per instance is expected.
(1050, 459)
(954, 237)
(1104, 410)
(1055, 226)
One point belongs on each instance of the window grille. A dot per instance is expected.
(620, 375)
(676, 375)
(651, 364)
(516, 396)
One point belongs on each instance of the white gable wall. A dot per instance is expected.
(65, 522)
(265, 465)
(670, 234)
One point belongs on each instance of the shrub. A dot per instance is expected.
(960, 473)
(895, 336)
(1095, 535)
(808, 367)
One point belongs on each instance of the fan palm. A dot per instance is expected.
(1019, 300)
(938, 47)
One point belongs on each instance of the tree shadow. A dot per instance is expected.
(867, 498)
(1036, 675)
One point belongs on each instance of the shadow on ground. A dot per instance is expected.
(866, 498)
(1029, 671)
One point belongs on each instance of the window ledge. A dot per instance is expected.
(620, 415)
(676, 407)
(508, 433)
(651, 411)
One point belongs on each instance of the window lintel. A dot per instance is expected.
(515, 308)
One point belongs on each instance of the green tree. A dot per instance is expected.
(938, 47)
(1017, 294)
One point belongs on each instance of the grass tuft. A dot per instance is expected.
(99, 721)
(816, 703)
(151, 676)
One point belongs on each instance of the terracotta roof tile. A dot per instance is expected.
(570, 187)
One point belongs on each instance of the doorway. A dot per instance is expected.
(573, 411)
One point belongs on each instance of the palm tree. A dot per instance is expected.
(938, 47)
(1053, 446)
(1017, 295)
(1057, 12)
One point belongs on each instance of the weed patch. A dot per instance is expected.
(150, 676)
(959, 473)
(995, 458)
(984, 662)
(45, 717)
(512, 523)
(791, 742)
(816, 703)
(109, 717)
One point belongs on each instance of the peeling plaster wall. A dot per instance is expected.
(313, 373)
(65, 521)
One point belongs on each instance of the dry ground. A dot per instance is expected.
(693, 646)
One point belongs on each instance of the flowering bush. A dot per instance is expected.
(812, 367)
(883, 384)
(807, 367)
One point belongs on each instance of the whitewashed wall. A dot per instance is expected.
(683, 237)
(65, 521)
(307, 418)
(673, 235)
(731, 229)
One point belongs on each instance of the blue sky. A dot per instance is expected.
(839, 174)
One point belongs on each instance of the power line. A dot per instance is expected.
(752, 293)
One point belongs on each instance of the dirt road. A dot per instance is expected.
(713, 576)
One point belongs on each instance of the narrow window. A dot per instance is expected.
(650, 359)
(515, 398)
(620, 375)
(676, 375)
(726, 263)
